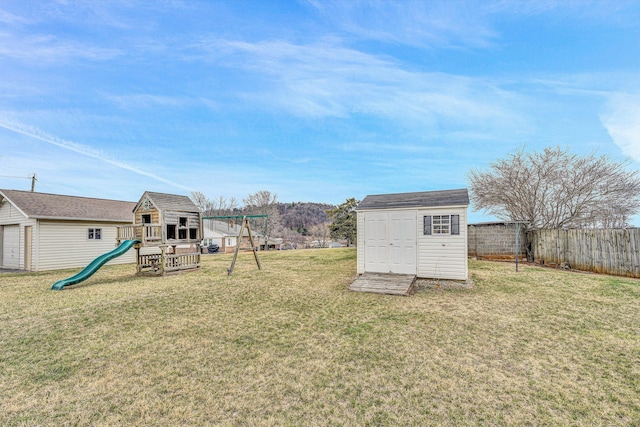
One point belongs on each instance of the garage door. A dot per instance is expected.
(11, 246)
(390, 242)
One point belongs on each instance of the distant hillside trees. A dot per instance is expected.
(303, 216)
(292, 221)
(557, 189)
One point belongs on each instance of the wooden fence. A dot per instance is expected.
(608, 251)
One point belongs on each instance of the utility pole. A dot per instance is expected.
(33, 183)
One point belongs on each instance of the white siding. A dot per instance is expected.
(402, 242)
(360, 242)
(11, 216)
(443, 257)
(10, 247)
(438, 257)
(64, 244)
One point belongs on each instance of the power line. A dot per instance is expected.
(33, 177)
(9, 176)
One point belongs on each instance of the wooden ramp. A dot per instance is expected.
(392, 284)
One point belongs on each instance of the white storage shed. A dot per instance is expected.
(422, 234)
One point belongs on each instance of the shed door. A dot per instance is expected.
(402, 242)
(376, 244)
(390, 242)
(11, 246)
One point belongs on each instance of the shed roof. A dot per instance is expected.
(59, 207)
(459, 197)
(169, 202)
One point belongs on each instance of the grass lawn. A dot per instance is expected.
(290, 345)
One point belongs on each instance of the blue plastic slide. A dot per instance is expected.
(94, 265)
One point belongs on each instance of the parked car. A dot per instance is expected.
(213, 248)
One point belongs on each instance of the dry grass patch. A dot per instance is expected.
(290, 345)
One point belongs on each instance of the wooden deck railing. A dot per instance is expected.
(153, 262)
(146, 233)
(181, 261)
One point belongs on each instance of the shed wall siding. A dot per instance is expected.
(438, 257)
(64, 244)
(360, 242)
(443, 257)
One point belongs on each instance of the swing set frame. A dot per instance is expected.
(245, 225)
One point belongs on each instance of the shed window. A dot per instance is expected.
(441, 225)
(183, 221)
(146, 218)
(94, 234)
(193, 233)
(182, 234)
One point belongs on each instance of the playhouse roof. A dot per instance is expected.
(459, 197)
(59, 207)
(169, 202)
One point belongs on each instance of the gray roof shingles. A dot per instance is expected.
(458, 197)
(56, 206)
(171, 202)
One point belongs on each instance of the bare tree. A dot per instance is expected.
(263, 203)
(555, 188)
(219, 206)
(320, 232)
(205, 205)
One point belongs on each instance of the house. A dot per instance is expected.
(421, 234)
(272, 244)
(169, 227)
(40, 231)
(225, 235)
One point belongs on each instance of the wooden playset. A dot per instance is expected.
(168, 229)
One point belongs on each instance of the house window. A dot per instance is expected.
(94, 234)
(182, 234)
(146, 219)
(441, 225)
(183, 221)
(193, 233)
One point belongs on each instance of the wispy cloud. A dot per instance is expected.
(327, 79)
(431, 24)
(459, 25)
(49, 49)
(622, 121)
(12, 19)
(147, 100)
(83, 150)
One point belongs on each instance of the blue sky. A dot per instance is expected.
(312, 100)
